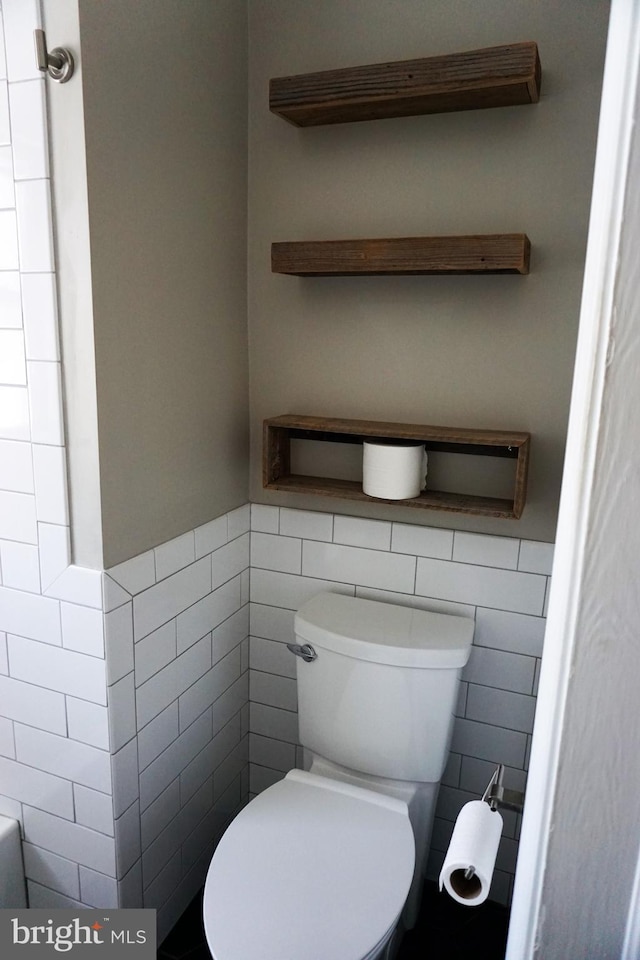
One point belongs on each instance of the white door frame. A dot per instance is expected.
(597, 308)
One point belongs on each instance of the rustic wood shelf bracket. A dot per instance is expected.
(280, 431)
(476, 254)
(502, 76)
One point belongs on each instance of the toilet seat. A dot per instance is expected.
(311, 869)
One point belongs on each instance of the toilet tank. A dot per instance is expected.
(381, 694)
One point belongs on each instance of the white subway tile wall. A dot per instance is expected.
(146, 753)
(33, 475)
(501, 582)
(178, 690)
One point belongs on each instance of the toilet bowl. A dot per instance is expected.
(323, 864)
(311, 869)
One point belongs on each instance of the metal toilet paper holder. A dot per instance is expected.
(497, 795)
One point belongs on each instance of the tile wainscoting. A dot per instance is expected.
(177, 627)
(139, 714)
(501, 582)
(124, 722)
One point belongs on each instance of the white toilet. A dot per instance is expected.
(323, 864)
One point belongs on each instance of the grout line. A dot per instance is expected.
(185, 609)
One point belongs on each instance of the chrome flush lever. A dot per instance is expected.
(58, 63)
(305, 651)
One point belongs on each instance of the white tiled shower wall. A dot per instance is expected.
(501, 582)
(56, 771)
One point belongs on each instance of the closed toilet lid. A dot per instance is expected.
(311, 869)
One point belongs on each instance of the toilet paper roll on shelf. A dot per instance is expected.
(393, 469)
(467, 870)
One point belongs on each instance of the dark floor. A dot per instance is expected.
(448, 931)
(445, 931)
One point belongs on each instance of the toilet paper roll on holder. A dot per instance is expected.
(497, 795)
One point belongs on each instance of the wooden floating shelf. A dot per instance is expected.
(491, 253)
(501, 76)
(280, 431)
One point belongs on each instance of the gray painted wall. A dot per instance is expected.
(164, 92)
(165, 174)
(492, 352)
